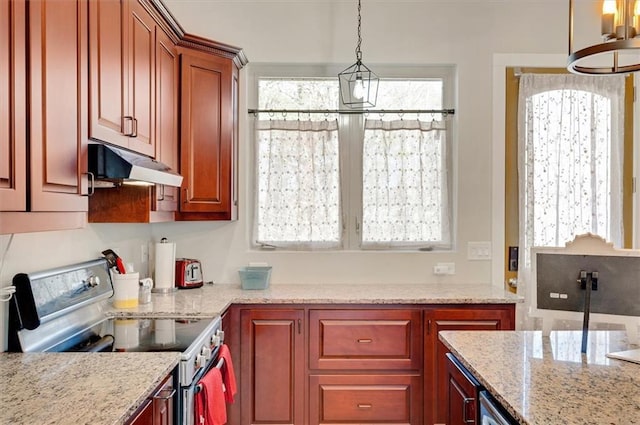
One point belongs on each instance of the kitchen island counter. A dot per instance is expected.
(78, 388)
(546, 380)
(212, 300)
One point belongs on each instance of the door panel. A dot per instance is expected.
(58, 76)
(13, 196)
(141, 78)
(108, 82)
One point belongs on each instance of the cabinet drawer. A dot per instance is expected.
(364, 399)
(365, 339)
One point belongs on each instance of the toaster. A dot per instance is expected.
(188, 273)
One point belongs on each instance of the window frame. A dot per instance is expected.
(511, 191)
(351, 127)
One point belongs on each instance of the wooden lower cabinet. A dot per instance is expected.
(463, 394)
(365, 399)
(159, 408)
(272, 364)
(349, 364)
(462, 317)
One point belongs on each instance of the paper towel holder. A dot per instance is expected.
(165, 258)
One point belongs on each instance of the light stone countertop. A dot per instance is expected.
(212, 300)
(546, 380)
(78, 388)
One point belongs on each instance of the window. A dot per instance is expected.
(372, 180)
(568, 168)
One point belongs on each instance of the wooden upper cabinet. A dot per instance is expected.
(58, 81)
(44, 108)
(122, 45)
(167, 75)
(141, 74)
(108, 82)
(13, 142)
(206, 143)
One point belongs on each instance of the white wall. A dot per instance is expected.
(466, 33)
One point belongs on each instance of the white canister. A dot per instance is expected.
(125, 289)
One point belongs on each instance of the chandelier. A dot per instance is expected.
(358, 84)
(620, 29)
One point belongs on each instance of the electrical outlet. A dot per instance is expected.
(442, 269)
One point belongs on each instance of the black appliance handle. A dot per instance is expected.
(25, 304)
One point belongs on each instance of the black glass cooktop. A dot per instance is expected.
(136, 335)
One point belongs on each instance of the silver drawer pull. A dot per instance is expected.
(365, 340)
(168, 394)
(365, 406)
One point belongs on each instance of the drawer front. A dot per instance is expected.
(365, 399)
(365, 339)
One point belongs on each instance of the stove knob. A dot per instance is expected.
(218, 338)
(201, 360)
(206, 351)
(215, 340)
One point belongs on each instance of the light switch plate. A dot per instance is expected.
(479, 251)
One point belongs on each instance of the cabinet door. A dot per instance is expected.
(163, 403)
(144, 415)
(463, 395)
(13, 163)
(141, 77)
(108, 101)
(58, 81)
(166, 116)
(494, 317)
(206, 143)
(272, 365)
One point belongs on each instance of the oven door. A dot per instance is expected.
(491, 413)
(189, 392)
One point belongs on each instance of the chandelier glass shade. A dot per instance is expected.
(620, 34)
(358, 84)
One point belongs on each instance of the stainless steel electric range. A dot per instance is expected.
(64, 309)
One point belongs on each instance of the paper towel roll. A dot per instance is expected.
(165, 268)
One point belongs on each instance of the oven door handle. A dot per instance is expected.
(218, 365)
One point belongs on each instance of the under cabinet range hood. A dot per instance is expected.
(119, 165)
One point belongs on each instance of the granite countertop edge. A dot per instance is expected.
(212, 300)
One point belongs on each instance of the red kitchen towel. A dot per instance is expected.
(210, 408)
(228, 374)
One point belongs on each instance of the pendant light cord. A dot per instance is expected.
(358, 51)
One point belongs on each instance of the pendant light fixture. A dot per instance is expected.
(620, 31)
(358, 84)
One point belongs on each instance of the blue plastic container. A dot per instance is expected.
(255, 277)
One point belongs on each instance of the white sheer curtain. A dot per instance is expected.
(298, 184)
(405, 193)
(570, 140)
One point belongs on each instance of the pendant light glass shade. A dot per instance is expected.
(358, 84)
(620, 33)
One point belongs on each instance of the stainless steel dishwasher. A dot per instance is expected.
(491, 412)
